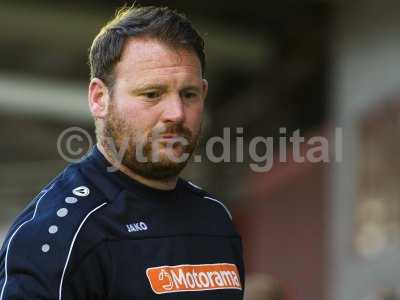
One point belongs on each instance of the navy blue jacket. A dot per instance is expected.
(95, 234)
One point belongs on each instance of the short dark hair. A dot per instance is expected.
(161, 23)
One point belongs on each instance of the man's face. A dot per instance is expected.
(157, 99)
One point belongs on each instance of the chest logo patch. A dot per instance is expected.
(135, 227)
(193, 278)
(81, 191)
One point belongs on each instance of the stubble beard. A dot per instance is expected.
(140, 152)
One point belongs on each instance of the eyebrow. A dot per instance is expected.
(144, 88)
(192, 87)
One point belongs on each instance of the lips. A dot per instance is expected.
(169, 136)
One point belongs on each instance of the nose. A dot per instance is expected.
(173, 110)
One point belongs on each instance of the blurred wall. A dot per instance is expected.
(366, 72)
(283, 222)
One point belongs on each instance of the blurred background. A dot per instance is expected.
(311, 231)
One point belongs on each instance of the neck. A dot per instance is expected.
(161, 184)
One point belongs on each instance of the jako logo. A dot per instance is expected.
(193, 278)
(135, 227)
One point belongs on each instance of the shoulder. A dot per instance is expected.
(64, 202)
(56, 213)
(207, 199)
(42, 237)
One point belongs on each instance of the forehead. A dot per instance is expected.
(142, 57)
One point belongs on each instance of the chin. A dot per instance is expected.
(162, 170)
(172, 156)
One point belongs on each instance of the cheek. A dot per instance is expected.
(194, 117)
(139, 120)
(135, 113)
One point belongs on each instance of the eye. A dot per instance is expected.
(190, 95)
(152, 95)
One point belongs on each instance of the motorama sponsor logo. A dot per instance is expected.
(193, 278)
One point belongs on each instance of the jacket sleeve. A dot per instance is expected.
(25, 271)
(23, 278)
(40, 250)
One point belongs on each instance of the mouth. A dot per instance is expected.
(169, 136)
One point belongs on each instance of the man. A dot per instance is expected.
(121, 224)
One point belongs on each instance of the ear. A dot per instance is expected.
(205, 88)
(99, 98)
